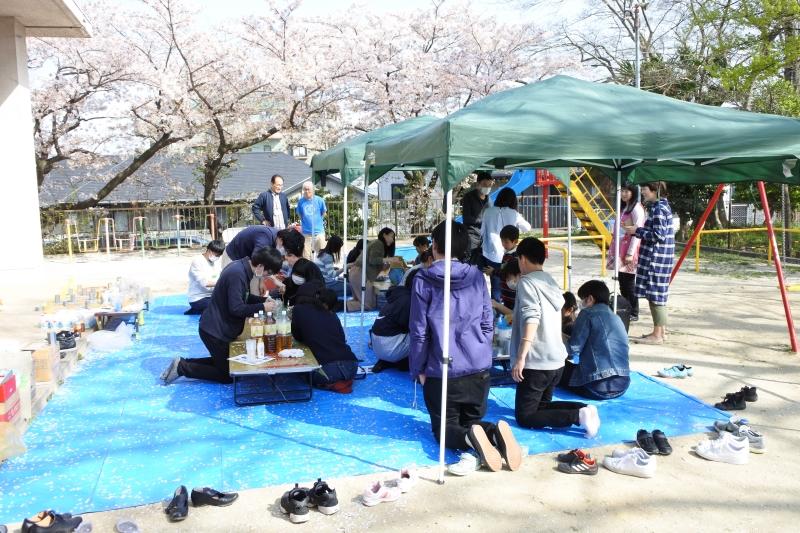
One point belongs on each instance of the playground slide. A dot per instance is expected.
(520, 180)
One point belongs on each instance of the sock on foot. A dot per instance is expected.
(589, 420)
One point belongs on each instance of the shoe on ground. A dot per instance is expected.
(294, 502)
(750, 394)
(645, 441)
(631, 462)
(381, 365)
(579, 465)
(407, 478)
(467, 464)
(50, 521)
(323, 497)
(379, 493)
(734, 401)
(728, 448)
(661, 442)
(676, 371)
(572, 454)
(209, 496)
(178, 507)
(489, 455)
(756, 439)
(647, 339)
(732, 425)
(508, 446)
(170, 374)
(589, 420)
(633, 318)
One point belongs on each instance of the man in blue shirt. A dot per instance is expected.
(311, 209)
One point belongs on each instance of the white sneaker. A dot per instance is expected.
(467, 464)
(728, 448)
(631, 462)
(756, 439)
(379, 493)
(407, 478)
(589, 419)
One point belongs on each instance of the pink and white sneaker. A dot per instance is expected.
(379, 493)
(408, 478)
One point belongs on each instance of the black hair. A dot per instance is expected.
(293, 242)
(459, 238)
(388, 250)
(506, 198)
(216, 247)
(269, 257)
(569, 301)
(315, 293)
(510, 233)
(484, 175)
(532, 249)
(353, 254)
(272, 179)
(510, 268)
(596, 289)
(307, 269)
(410, 278)
(631, 204)
(425, 256)
(658, 187)
(421, 240)
(332, 247)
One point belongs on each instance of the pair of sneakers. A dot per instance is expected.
(727, 448)
(489, 450)
(296, 502)
(737, 401)
(389, 491)
(631, 462)
(676, 371)
(577, 462)
(740, 427)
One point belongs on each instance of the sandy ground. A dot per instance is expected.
(729, 327)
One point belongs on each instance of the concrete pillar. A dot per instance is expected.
(19, 206)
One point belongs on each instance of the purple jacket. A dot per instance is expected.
(471, 325)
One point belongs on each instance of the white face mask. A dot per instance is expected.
(298, 280)
(512, 284)
(214, 258)
(486, 190)
(281, 249)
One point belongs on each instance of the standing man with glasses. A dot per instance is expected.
(271, 208)
(311, 209)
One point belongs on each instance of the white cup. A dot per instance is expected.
(250, 346)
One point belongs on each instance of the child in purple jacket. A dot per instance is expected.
(471, 332)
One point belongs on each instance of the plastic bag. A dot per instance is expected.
(11, 443)
(111, 341)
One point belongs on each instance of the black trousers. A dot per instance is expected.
(533, 405)
(214, 368)
(466, 405)
(197, 308)
(627, 287)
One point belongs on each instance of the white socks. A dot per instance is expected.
(589, 420)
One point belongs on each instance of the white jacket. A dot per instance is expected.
(495, 219)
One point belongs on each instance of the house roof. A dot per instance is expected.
(170, 179)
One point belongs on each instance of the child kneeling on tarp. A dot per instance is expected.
(315, 324)
(540, 352)
(599, 346)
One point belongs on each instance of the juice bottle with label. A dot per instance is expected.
(270, 335)
(285, 331)
(256, 327)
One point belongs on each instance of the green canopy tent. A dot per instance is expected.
(565, 122)
(347, 158)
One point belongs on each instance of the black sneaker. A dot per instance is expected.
(323, 497)
(734, 401)
(579, 465)
(572, 454)
(295, 503)
(661, 442)
(645, 441)
(750, 394)
(633, 318)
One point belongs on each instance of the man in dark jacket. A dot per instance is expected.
(247, 241)
(271, 208)
(470, 356)
(389, 334)
(224, 318)
(473, 205)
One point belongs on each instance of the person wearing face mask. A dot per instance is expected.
(510, 274)
(303, 272)
(223, 320)
(473, 205)
(599, 346)
(203, 276)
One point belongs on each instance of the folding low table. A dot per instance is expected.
(283, 379)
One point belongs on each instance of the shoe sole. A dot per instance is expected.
(373, 503)
(513, 453)
(490, 456)
(328, 510)
(643, 475)
(743, 461)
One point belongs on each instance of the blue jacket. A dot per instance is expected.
(231, 302)
(263, 208)
(250, 239)
(471, 327)
(599, 339)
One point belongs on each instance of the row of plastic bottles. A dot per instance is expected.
(271, 335)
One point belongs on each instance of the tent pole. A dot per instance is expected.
(569, 235)
(448, 258)
(778, 268)
(616, 236)
(343, 255)
(697, 229)
(365, 216)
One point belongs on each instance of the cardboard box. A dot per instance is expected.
(8, 384)
(45, 362)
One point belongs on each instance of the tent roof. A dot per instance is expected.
(565, 122)
(347, 157)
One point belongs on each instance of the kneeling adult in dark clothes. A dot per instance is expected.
(316, 325)
(303, 271)
(600, 344)
(223, 320)
(389, 333)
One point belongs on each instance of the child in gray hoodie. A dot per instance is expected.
(540, 352)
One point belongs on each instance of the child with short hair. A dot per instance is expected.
(539, 350)
(509, 237)
(510, 274)
(422, 245)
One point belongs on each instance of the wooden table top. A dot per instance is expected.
(279, 365)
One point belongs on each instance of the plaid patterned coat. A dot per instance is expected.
(656, 254)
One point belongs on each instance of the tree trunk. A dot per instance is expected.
(211, 170)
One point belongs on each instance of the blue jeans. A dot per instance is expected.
(333, 372)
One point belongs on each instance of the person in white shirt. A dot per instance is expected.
(203, 276)
(503, 213)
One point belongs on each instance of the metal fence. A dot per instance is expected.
(187, 226)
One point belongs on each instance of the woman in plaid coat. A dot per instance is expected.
(656, 256)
